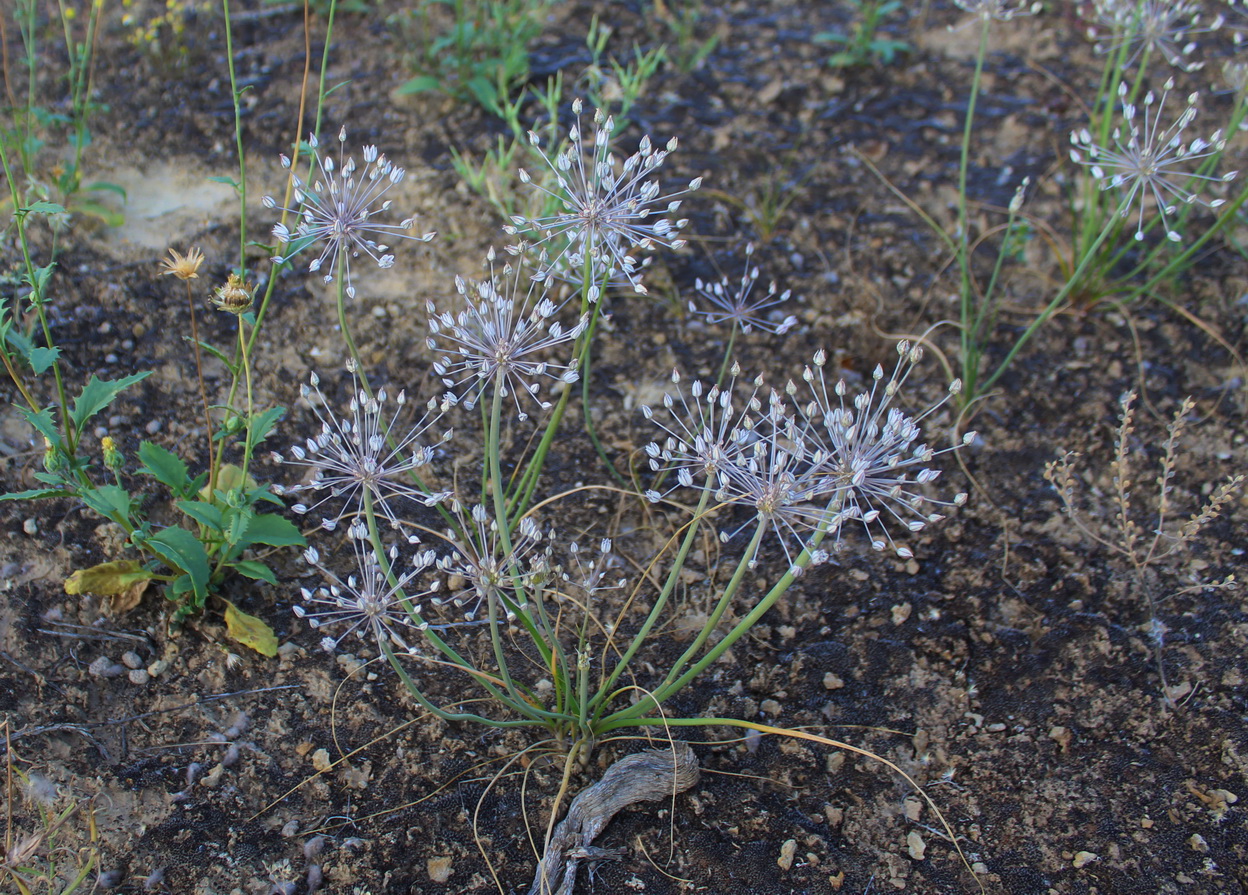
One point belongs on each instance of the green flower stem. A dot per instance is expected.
(428, 706)
(238, 144)
(242, 349)
(37, 300)
(970, 350)
(656, 611)
(670, 687)
(1052, 306)
(527, 484)
(730, 591)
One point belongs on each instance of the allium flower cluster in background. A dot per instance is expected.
(337, 209)
(610, 210)
(812, 459)
(1151, 159)
(736, 306)
(1164, 27)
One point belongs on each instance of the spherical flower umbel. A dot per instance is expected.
(502, 338)
(609, 209)
(376, 603)
(736, 306)
(482, 569)
(1001, 10)
(1151, 160)
(365, 455)
(811, 460)
(1151, 26)
(337, 210)
(868, 452)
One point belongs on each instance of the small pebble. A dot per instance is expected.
(1198, 843)
(153, 427)
(30, 526)
(192, 772)
(320, 760)
(315, 878)
(131, 659)
(1084, 858)
(101, 431)
(105, 667)
(110, 358)
(770, 707)
(313, 847)
(290, 829)
(439, 869)
(159, 667)
(832, 682)
(915, 845)
(787, 852)
(139, 677)
(213, 777)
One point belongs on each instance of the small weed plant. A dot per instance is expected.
(1151, 543)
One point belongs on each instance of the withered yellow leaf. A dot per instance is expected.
(106, 579)
(250, 631)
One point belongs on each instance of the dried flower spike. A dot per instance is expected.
(337, 210)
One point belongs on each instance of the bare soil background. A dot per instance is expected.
(1007, 667)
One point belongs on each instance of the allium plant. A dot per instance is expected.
(723, 303)
(498, 595)
(505, 334)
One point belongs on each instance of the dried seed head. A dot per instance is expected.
(235, 296)
(184, 267)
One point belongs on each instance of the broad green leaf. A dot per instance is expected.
(183, 551)
(203, 513)
(164, 466)
(250, 631)
(107, 578)
(263, 424)
(41, 359)
(98, 394)
(42, 421)
(420, 84)
(276, 531)
(42, 207)
(256, 570)
(109, 501)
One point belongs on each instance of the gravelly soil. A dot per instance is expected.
(1008, 668)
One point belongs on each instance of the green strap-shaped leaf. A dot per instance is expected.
(43, 423)
(37, 494)
(183, 551)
